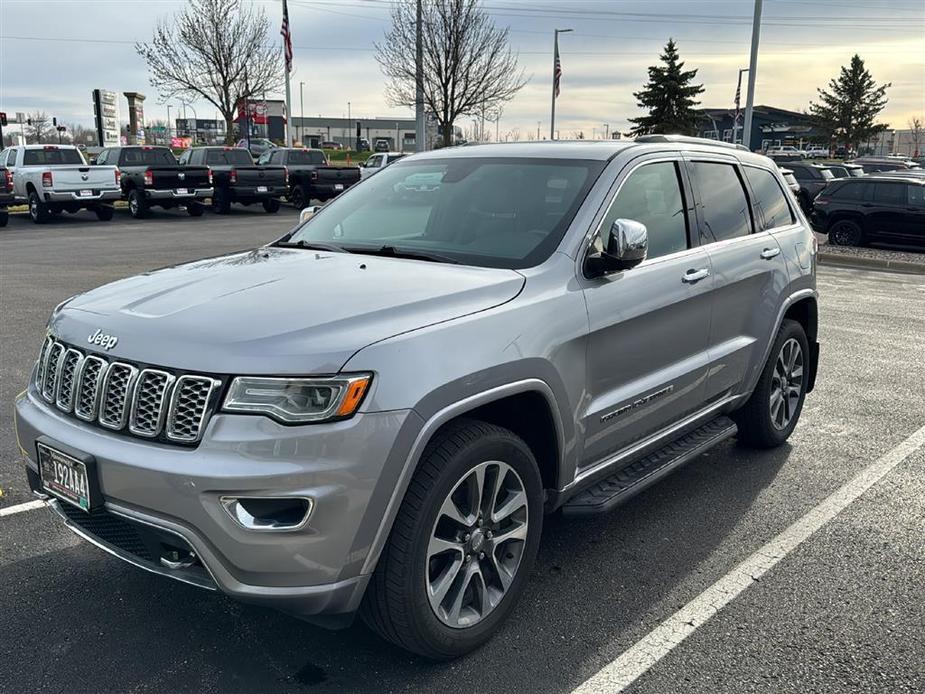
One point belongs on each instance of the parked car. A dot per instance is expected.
(375, 412)
(872, 164)
(377, 162)
(151, 177)
(902, 173)
(258, 145)
(364, 145)
(814, 151)
(56, 178)
(792, 183)
(846, 170)
(785, 153)
(842, 152)
(382, 144)
(876, 208)
(310, 176)
(235, 178)
(6, 193)
(329, 144)
(812, 179)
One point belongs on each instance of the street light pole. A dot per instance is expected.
(555, 70)
(301, 129)
(419, 144)
(752, 74)
(349, 123)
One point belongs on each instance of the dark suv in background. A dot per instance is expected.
(812, 179)
(856, 210)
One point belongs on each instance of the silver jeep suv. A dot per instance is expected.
(374, 413)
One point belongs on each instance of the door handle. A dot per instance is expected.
(695, 275)
(769, 253)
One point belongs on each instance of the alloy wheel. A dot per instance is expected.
(476, 544)
(786, 384)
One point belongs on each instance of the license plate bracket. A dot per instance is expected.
(86, 193)
(183, 191)
(68, 475)
(261, 189)
(338, 186)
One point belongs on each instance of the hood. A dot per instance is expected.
(275, 310)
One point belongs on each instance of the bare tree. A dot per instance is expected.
(80, 134)
(39, 128)
(217, 50)
(468, 65)
(915, 125)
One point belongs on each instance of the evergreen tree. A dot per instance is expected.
(850, 107)
(668, 97)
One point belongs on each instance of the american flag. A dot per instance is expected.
(557, 71)
(287, 37)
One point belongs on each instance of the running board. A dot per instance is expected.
(632, 479)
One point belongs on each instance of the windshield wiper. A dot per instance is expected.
(393, 252)
(312, 246)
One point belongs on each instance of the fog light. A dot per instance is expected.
(269, 513)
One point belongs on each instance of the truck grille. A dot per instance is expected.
(120, 396)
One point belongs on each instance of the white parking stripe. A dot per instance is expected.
(28, 506)
(619, 674)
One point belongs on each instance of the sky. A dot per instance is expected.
(53, 53)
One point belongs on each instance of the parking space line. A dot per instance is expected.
(620, 673)
(19, 508)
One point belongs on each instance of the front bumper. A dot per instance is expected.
(193, 194)
(310, 571)
(75, 196)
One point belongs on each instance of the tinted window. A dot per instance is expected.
(770, 197)
(652, 195)
(723, 204)
(850, 191)
(839, 171)
(306, 156)
(890, 193)
(233, 157)
(49, 156)
(916, 195)
(488, 212)
(139, 156)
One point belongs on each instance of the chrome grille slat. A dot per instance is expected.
(143, 401)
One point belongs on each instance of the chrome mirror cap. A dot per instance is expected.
(308, 213)
(628, 242)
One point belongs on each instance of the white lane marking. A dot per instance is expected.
(28, 506)
(619, 674)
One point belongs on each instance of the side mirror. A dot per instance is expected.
(308, 213)
(625, 246)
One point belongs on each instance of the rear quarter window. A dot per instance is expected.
(723, 204)
(889, 193)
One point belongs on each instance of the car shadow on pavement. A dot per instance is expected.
(95, 624)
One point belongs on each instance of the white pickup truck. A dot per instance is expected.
(56, 178)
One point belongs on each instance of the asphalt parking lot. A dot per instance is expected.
(843, 612)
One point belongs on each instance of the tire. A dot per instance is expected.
(104, 212)
(137, 205)
(4, 218)
(221, 201)
(398, 604)
(271, 205)
(195, 209)
(38, 210)
(297, 197)
(760, 424)
(846, 232)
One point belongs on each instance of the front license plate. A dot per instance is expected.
(182, 191)
(338, 186)
(64, 476)
(86, 193)
(261, 189)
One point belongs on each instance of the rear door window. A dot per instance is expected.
(723, 205)
(850, 191)
(769, 197)
(889, 193)
(916, 195)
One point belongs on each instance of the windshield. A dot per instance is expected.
(51, 156)
(234, 157)
(306, 156)
(488, 212)
(147, 156)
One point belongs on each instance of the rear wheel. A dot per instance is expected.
(38, 210)
(221, 201)
(104, 212)
(463, 543)
(297, 197)
(846, 232)
(271, 205)
(137, 205)
(769, 416)
(195, 209)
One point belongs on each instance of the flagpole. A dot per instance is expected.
(286, 68)
(555, 81)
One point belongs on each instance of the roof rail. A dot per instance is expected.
(687, 139)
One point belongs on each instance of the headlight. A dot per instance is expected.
(298, 400)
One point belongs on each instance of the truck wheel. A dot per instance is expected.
(463, 543)
(104, 212)
(271, 205)
(38, 210)
(4, 217)
(770, 414)
(297, 197)
(846, 232)
(195, 209)
(221, 202)
(137, 205)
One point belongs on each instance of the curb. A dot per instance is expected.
(864, 263)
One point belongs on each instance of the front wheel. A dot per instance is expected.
(463, 543)
(769, 416)
(271, 205)
(846, 232)
(297, 197)
(221, 201)
(137, 205)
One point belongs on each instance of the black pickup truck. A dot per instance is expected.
(151, 177)
(6, 194)
(237, 179)
(310, 176)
